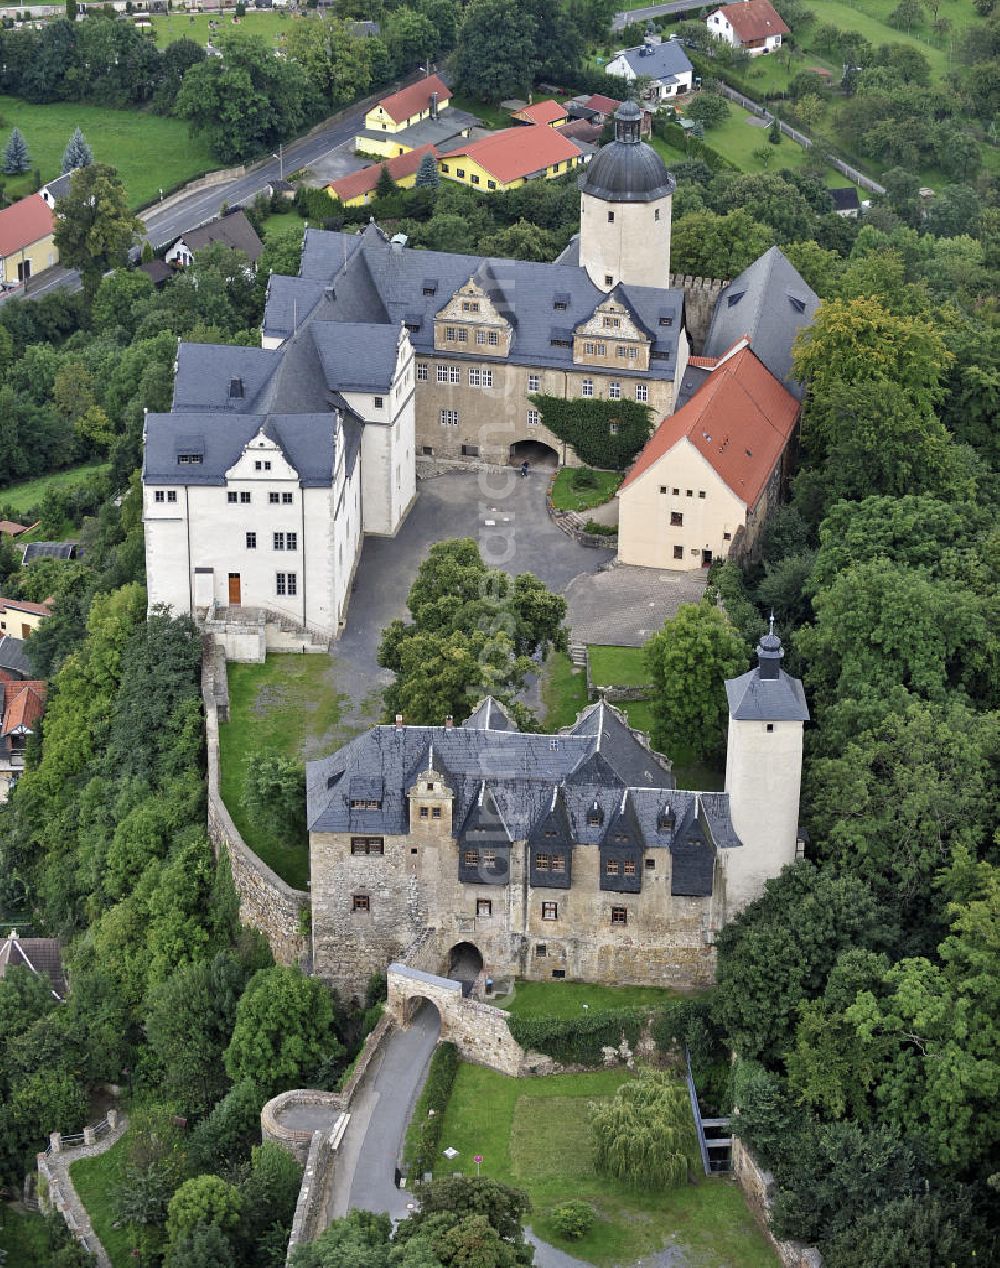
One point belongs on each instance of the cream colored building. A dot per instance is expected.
(711, 474)
(19, 618)
(27, 240)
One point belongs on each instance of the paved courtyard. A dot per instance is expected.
(626, 605)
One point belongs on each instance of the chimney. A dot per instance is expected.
(399, 722)
(434, 105)
(449, 722)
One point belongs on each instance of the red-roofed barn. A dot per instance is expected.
(710, 471)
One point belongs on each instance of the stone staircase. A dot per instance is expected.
(578, 655)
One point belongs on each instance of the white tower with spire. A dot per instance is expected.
(767, 710)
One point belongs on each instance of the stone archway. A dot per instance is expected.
(534, 452)
(465, 963)
(415, 1004)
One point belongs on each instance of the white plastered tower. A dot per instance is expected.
(625, 200)
(767, 711)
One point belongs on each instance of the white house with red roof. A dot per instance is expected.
(21, 707)
(27, 242)
(754, 25)
(712, 470)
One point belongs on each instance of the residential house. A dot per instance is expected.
(550, 113)
(21, 618)
(56, 189)
(712, 471)
(663, 62)
(389, 123)
(232, 230)
(14, 663)
(41, 956)
(358, 188)
(27, 240)
(510, 158)
(846, 202)
(22, 703)
(596, 108)
(754, 25)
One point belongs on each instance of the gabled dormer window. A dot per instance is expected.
(595, 815)
(189, 459)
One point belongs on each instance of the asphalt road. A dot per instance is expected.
(627, 16)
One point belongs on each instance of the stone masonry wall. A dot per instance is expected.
(267, 903)
(757, 1185)
(700, 295)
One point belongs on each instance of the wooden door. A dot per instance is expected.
(234, 589)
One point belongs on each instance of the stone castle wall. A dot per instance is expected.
(757, 1185)
(700, 295)
(267, 903)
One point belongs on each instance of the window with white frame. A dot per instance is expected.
(449, 418)
(287, 499)
(587, 387)
(614, 390)
(642, 392)
(421, 372)
(159, 496)
(274, 498)
(286, 583)
(534, 382)
(494, 338)
(171, 495)
(442, 374)
(534, 418)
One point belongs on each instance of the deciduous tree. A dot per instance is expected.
(94, 227)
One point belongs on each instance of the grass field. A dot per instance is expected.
(270, 24)
(95, 1180)
(567, 999)
(22, 497)
(151, 152)
(570, 493)
(289, 705)
(617, 666)
(23, 1239)
(564, 691)
(534, 1134)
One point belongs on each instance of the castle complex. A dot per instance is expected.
(554, 856)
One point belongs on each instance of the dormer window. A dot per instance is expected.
(733, 300)
(429, 286)
(666, 820)
(236, 392)
(361, 803)
(189, 459)
(595, 815)
(798, 304)
(666, 321)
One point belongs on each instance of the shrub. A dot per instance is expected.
(642, 1135)
(574, 1219)
(584, 478)
(578, 1040)
(422, 1146)
(606, 434)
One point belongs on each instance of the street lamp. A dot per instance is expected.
(280, 156)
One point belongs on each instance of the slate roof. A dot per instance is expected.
(356, 356)
(27, 221)
(366, 280)
(13, 657)
(234, 230)
(307, 441)
(769, 303)
(740, 420)
(59, 187)
(664, 62)
(489, 715)
(37, 955)
(510, 786)
(50, 550)
(845, 198)
(205, 373)
(756, 699)
(754, 20)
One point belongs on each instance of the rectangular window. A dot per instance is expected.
(424, 812)
(475, 377)
(628, 867)
(251, 541)
(642, 393)
(244, 498)
(633, 353)
(442, 374)
(666, 321)
(487, 378)
(621, 351)
(550, 911)
(611, 867)
(189, 459)
(470, 451)
(484, 906)
(534, 418)
(541, 862)
(454, 374)
(278, 541)
(611, 217)
(619, 915)
(534, 382)
(491, 184)
(367, 845)
(159, 496)
(701, 493)
(614, 429)
(360, 902)
(421, 372)
(258, 466)
(614, 390)
(650, 865)
(449, 334)
(558, 974)
(470, 858)
(678, 552)
(587, 388)
(436, 812)
(541, 950)
(449, 418)
(378, 402)
(558, 863)
(489, 857)
(460, 173)
(481, 336)
(470, 305)
(494, 338)
(291, 541)
(656, 214)
(588, 349)
(727, 537)
(287, 583)
(287, 499)
(676, 519)
(612, 323)
(463, 335)
(608, 280)
(274, 498)
(231, 496)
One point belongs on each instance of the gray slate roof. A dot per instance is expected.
(59, 188)
(356, 356)
(42, 956)
(507, 783)
(489, 715)
(756, 699)
(50, 550)
(205, 372)
(307, 441)
(769, 302)
(664, 62)
(233, 230)
(13, 657)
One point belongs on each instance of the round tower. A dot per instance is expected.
(625, 198)
(767, 710)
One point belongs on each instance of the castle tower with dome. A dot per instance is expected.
(625, 200)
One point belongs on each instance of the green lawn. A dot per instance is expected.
(23, 1238)
(534, 1134)
(151, 152)
(492, 116)
(566, 999)
(289, 705)
(617, 666)
(95, 1180)
(272, 25)
(580, 488)
(564, 691)
(29, 493)
(850, 17)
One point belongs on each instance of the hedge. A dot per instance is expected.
(579, 1040)
(692, 146)
(424, 1139)
(586, 425)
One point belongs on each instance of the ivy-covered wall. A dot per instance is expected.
(605, 434)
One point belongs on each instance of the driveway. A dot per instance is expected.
(626, 605)
(504, 513)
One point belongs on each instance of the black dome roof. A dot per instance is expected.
(627, 170)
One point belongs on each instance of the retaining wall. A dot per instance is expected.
(267, 903)
(758, 1189)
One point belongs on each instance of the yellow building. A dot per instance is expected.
(19, 619)
(358, 188)
(393, 115)
(27, 242)
(507, 159)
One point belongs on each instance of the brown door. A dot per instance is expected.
(234, 589)
(25, 631)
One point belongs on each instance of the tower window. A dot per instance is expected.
(611, 217)
(656, 214)
(484, 907)
(550, 911)
(676, 519)
(608, 280)
(360, 902)
(770, 727)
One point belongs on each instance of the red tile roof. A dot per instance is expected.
(22, 605)
(582, 130)
(415, 98)
(516, 153)
(12, 528)
(739, 420)
(606, 105)
(542, 112)
(358, 183)
(24, 223)
(24, 704)
(754, 19)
